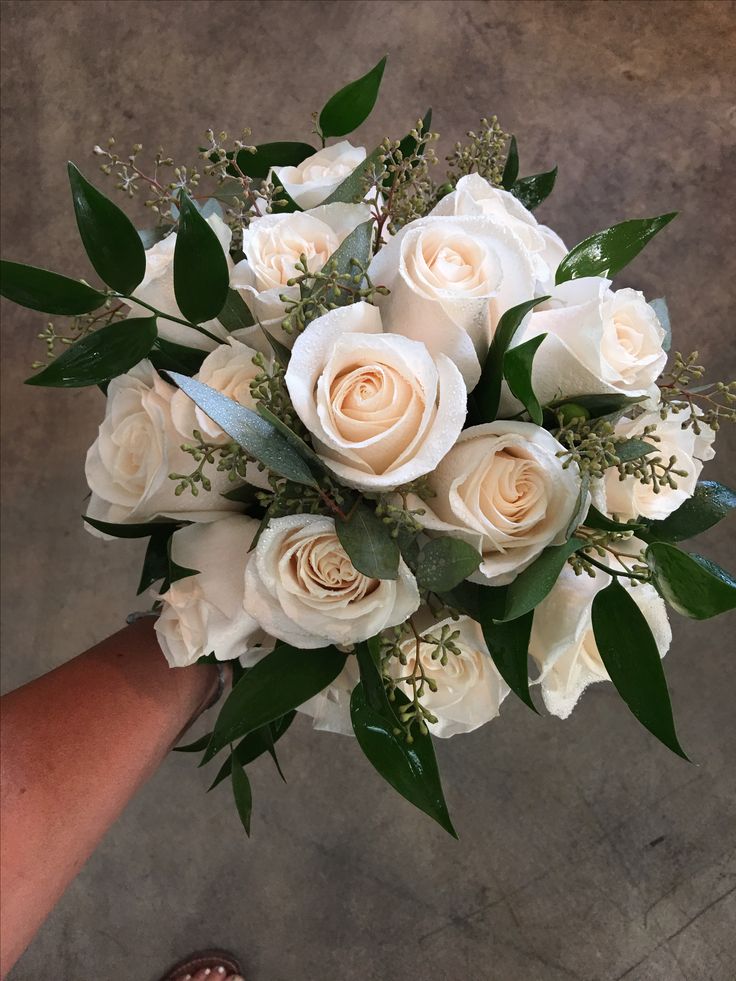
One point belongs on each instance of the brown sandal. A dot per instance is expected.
(202, 959)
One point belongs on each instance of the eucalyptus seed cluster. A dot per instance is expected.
(484, 153)
(400, 185)
(603, 544)
(230, 458)
(163, 184)
(269, 390)
(682, 391)
(287, 498)
(589, 443)
(652, 469)
(325, 290)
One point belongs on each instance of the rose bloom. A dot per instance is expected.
(204, 614)
(562, 640)
(599, 342)
(381, 410)
(473, 195)
(301, 586)
(157, 288)
(469, 688)
(330, 710)
(274, 244)
(503, 489)
(630, 498)
(136, 449)
(315, 178)
(451, 278)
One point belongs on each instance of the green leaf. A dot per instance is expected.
(508, 644)
(517, 370)
(255, 744)
(663, 315)
(594, 519)
(152, 236)
(410, 768)
(691, 584)
(536, 581)
(281, 351)
(201, 274)
(242, 794)
(368, 654)
(600, 406)
(355, 248)
(352, 188)
(109, 237)
(444, 563)
(39, 289)
(633, 449)
(487, 394)
(196, 747)
(352, 105)
(268, 155)
(257, 436)
(368, 543)
(607, 252)
(235, 315)
(284, 679)
(629, 653)
(709, 504)
(531, 191)
(511, 167)
(293, 439)
(99, 356)
(123, 530)
(156, 563)
(169, 356)
(582, 505)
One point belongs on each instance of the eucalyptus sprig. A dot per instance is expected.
(682, 391)
(484, 153)
(230, 458)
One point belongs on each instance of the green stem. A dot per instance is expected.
(168, 316)
(614, 572)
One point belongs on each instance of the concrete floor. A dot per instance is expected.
(587, 850)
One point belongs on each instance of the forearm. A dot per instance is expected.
(76, 745)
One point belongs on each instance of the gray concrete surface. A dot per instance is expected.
(587, 851)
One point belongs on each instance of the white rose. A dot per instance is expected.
(562, 640)
(599, 342)
(137, 447)
(503, 489)
(274, 244)
(630, 498)
(473, 195)
(451, 279)
(469, 688)
(204, 614)
(330, 710)
(314, 179)
(302, 588)
(380, 409)
(157, 288)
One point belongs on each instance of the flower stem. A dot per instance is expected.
(168, 316)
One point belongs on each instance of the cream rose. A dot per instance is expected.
(598, 342)
(473, 195)
(302, 588)
(451, 278)
(630, 498)
(330, 710)
(469, 688)
(137, 447)
(274, 244)
(381, 410)
(503, 489)
(562, 640)
(157, 288)
(315, 178)
(204, 614)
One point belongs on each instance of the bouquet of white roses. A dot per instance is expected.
(389, 440)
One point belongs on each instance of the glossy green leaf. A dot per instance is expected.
(355, 248)
(235, 314)
(352, 105)
(257, 436)
(634, 449)
(280, 351)
(175, 572)
(279, 154)
(201, 274)
(508, 644)
(535, 582)
(511, 167)
(629, 652)
(410, 768)
(169, 356)
(517, 369)
(663, 315)
(39, 289)
(582, 505)
(608, 407)
(487, 394)
(607, 252)
(255, 744)
(284, 679)
(242, 793)
(196, 747)
(691, 584)
(710, 503)
(352, 189)
(99, 356)
(109, 237)
(445, 562)
(594, 519)
(133, 530)
(368, 543)
(156, 563)
(368, 655)
(531, 191)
